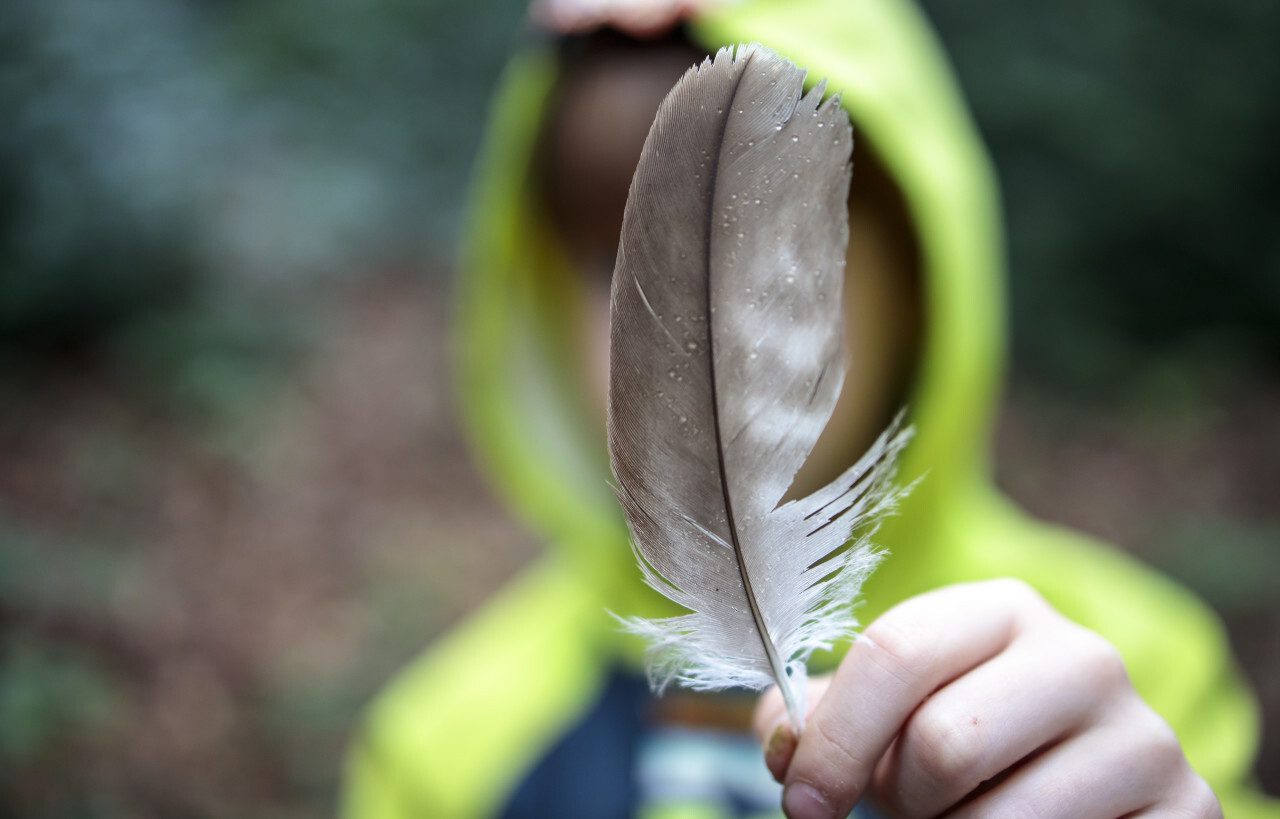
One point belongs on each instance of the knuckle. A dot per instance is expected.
(1021, 601)
(1018, 591)
(944, 747)
(1197, 801)
(1201, 802)
(898, 649)
(1160, 740)
(1157, 746)
(836, 747)
(1164, 748)
(1099, 662)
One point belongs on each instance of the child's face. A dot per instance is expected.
(596, 126)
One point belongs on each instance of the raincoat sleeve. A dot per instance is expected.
(452, 734)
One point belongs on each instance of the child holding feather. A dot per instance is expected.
(1007, 668)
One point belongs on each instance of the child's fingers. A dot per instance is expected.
(1049, 685)
(1130, 762)
(901, 659)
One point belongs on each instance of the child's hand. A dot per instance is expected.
(980, 700)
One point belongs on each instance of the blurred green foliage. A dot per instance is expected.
(1135, 145)
(103, 116)
(1233, 564)
(51, 695)
(154, 151)
(60, 698)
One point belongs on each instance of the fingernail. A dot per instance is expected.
(779, 750)
(802, 801)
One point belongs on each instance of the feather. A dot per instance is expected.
(726, 360)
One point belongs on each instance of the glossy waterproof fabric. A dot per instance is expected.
(457, 732)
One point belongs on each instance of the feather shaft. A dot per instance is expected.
(726, 360)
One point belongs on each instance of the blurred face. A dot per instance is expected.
(608, 94)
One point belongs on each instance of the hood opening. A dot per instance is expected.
(605, 98)
(604, 101)
(884, 321)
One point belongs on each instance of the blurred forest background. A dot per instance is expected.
(232, 496)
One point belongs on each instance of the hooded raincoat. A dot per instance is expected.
(461, 727)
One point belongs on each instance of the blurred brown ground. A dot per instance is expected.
(227, 591)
